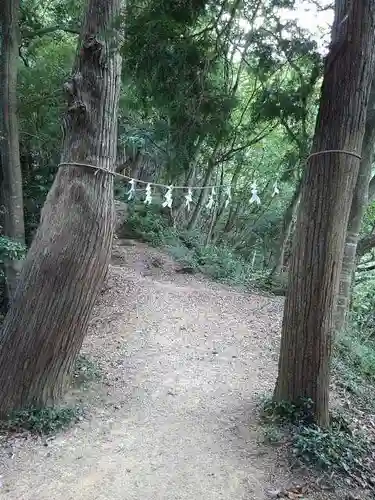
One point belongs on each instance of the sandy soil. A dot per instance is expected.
(175, 416)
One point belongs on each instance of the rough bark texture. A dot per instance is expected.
(68, 259)
(327, 192)
(359, 204)
(11, 182)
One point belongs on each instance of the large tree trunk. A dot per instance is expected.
(326, 197)
(359, 204)
(64, 269)
(11, 182)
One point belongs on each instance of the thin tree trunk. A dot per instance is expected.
(64, 269)
(217, 209)
(286, 230)
(188, 182)
(202, 197)
(233, 214)
(211, 226)
(359, 204)
(11, 188)
(326, 197)
(233, 210)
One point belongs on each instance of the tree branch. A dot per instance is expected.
(365, 244)
(371, 191)
(228, 155)
(29, 35)
(368, 268)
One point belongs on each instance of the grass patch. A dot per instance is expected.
(86, 370)
(41, 421)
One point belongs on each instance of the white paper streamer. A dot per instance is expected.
(229, 196)
(188, 199)
(148, 199)
(168, 198)
(254, 197)
(131, 192)
(211, 200)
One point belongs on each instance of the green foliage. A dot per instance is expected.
(41, 105)
(219, 262)
(354, 348)
(148, 224)
(285, 412)
(172, 70)
(356, 352)
(223, 265)
(362, 312)
(86, 370)
(334, 450)
(272, 435)
(11, 250)
(187, 100)
(341, 449)
(41, 421)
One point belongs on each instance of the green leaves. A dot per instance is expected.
(11, 250)
(336, 451)
(41, 421)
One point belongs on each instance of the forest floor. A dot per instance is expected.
(184, 364)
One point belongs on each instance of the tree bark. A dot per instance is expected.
(358, 207)
(202, 197)
(286, 230)
(11, 185)
(64, 269)
(326, 197)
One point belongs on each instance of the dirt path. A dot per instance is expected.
(185, 362)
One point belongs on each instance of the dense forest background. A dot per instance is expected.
(227, 95)
(211, 131)
(221, 100)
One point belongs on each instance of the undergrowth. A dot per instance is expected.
(41, 421)
(49, 420)
(342, 450)
(219, 262)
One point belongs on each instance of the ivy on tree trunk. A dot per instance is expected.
(326, 197)
(68, 259)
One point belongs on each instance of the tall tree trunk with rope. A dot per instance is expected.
(64, 269)
(326, 198)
